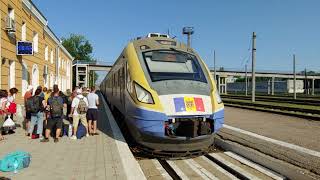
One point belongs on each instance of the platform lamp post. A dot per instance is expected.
(253, 95)
(306, 81)
(246, 78)
(294, 77)
(188, 31)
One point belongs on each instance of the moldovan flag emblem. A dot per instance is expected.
(189, 104)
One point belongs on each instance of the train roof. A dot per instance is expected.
(160, 43)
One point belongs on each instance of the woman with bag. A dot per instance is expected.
(12, 106)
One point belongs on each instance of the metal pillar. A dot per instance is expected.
(87, 77)
(219, 84)
(294, 78)
(272, 86)
(93, 82)
(225, 86)
(253, 94)
(246, 80)
(188, 31)
(189, 40)
(306, 85)
(269, 87)
(57, 65)
(312, 82)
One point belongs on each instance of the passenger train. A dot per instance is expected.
(166, 94)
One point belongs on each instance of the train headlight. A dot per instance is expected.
(143, 95)
(218, 98)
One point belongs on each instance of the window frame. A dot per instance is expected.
(46, 53)
(35, 42)
(24, 31)
(196, 61)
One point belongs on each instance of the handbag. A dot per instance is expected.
(8, 123)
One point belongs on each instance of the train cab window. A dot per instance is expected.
(173, 65)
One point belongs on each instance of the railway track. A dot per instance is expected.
(271, 106)
(223, 163)
(217, 165)
(311, 102)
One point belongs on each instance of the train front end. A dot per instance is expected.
(179, 108)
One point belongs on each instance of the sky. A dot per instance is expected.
(283, 28)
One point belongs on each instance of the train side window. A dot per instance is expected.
(128, 79)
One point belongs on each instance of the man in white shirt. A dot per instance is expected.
(92, 114)
(79, 107)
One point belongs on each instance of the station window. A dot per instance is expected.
(59, 63)
(35, 42)
(51, 56)
(24, 31)
(46, 53)
(11, 13)
(12, 74)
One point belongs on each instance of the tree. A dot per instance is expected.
(78, 46)
(81, 49)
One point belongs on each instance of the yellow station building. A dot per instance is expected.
(21, 22)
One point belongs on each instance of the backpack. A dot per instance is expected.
(12, 108)
(33, 104)
(56, 107)
(15, 161)
(82, 131)
(82, 106)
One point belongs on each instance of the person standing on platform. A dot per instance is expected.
(79, 107)
(92, 114)
(37, 115)
(55, 106)
(11, 97)
(44, 92)
(47, 95)
(12, 93)
(27, 95)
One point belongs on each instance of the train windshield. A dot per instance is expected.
(173, 65)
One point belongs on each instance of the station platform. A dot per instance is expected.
(105, 156)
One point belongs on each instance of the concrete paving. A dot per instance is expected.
(301, 132)
(94, 157)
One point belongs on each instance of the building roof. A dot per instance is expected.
(32, 8)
